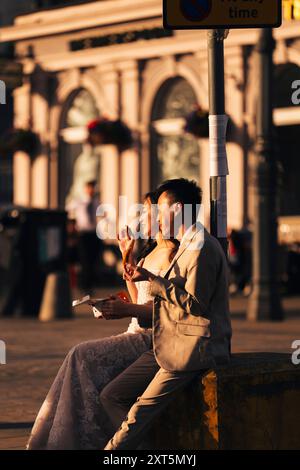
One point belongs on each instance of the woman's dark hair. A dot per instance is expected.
(150, 243)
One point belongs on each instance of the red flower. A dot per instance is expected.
(95, 123)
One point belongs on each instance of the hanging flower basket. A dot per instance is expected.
(196, 123)
(19, 140)
(106, 131)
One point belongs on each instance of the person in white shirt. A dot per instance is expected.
(83, 210)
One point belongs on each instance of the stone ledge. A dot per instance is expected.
(253, 403)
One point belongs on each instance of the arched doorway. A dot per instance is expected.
(80, 108)
(174, 154)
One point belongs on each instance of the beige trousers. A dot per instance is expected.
(136, 396)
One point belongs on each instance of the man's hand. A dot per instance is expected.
(135, 273)
(114, 309)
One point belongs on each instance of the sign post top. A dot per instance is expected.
(222, 14)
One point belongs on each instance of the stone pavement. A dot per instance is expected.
(35, 351)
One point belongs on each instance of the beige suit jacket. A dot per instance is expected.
(191, 319)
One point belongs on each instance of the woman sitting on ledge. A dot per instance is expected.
(72, 416)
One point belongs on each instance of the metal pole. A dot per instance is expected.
(217, 135)
(264, 302)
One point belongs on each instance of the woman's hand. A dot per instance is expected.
(135, 273)
(126, 243)
(114, 309)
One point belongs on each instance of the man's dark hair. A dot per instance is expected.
(184, 191)
(91, 183)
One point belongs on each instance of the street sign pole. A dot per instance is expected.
(217, 135)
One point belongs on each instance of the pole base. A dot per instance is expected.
(56, 302)
(264, 304)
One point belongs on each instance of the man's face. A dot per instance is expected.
(168, 212)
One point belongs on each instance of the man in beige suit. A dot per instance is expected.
(190, 320)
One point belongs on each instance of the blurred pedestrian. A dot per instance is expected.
(83, 210)
(240, 260)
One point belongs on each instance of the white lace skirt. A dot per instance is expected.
(72, 416)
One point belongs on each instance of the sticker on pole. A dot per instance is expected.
(211, 14)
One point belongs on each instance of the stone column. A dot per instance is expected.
(109, 165)
(234, 92)
(204, 178)
(145, 166)
(22, 179)
(40, 118)
(21, 161)
(130, 172)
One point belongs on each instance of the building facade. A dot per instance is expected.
(114, 58)
(11, 77)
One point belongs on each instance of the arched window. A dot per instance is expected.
(287, 139)
(284, 75)
(80, 108)
(174, 154)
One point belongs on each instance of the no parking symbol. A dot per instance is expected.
(195, 10)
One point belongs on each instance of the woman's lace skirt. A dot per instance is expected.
(72, 416)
